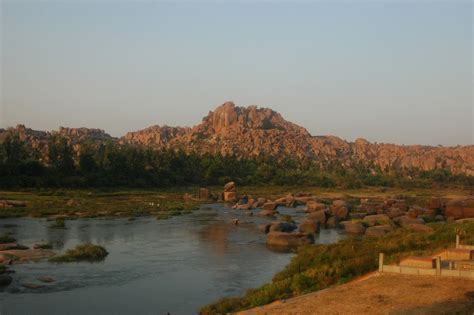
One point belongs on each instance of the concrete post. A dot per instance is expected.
(457, 240)
(451, 265)
(380, 262)
(438, 266)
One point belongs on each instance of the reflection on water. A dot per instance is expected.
(154, 267)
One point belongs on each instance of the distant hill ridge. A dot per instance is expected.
(251, 132)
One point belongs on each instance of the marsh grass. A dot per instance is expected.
(96, 203)
(83, 252)
(317, 267)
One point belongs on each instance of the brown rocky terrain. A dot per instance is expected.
(382, 294)
(252, 132)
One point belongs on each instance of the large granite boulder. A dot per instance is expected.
(282, 227)
(340, 211)
(230, 186)
(267, 213)
(320, 216)
(302, 200)
(377, 219)
(260, 202)
(353, 227)
(395, 213)
(309, 226)
(313, 206)
(333, 222)
(270, 206)
(204, 194)
(230, 196)
(288, 239)
(460, 208)
(339, 203)
(290, 201)
(405, 220)
(435, 203)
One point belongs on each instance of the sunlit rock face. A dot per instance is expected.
(253, 131)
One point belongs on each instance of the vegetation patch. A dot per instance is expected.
(96, 203)
(83, 252)
(316, 267)
(287, 218)
(59, 223)
(43, 246)
(110, 164)
(6, 238)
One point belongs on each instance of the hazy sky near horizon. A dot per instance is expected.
(388, 71)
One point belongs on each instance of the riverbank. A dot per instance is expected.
(70, 203)
(382, 294)
(319, 267)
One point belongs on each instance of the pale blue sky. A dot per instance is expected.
(398, 72)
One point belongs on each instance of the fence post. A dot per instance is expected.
(380, 262)
(438, 266)
(457, 240)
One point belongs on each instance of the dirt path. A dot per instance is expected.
(383, 294)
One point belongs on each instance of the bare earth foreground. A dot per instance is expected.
(383, 294)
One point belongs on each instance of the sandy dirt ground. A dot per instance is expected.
(383, 294)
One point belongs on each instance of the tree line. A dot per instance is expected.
(110, 164)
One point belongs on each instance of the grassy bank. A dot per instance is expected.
(83, 252)
(97, 203)
(320, 266)
(163, 203)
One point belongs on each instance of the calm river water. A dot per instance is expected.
(153, 267)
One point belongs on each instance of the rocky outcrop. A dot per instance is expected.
(230, 192)
(38, 141)
(353, 227)
(460, 208)
(253, 132)
(310, 226)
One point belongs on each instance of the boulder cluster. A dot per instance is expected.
(373, 217)
(12, 203)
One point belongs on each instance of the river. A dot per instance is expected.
(153, 267)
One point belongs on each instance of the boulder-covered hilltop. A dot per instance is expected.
(38, 140)
(252, 132)
(243, 131)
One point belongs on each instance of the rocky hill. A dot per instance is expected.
(253, 132)
(38, 140)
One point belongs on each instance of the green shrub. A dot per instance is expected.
(7, 238)
(287, 218)
(44, 246)
(428, 218)
(83, 252)
(59, 223)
